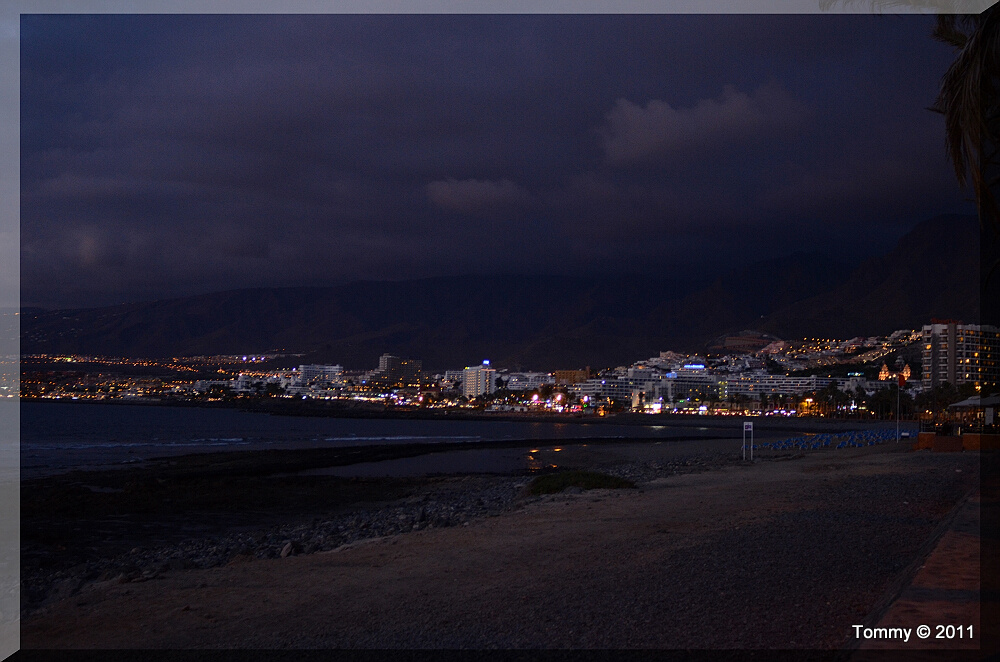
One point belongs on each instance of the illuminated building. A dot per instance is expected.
(528, 381)
(959, 353)
(622, 389)
(323, 373)
(478, 380)
(570, 377)
(757, 383)
(392, 369)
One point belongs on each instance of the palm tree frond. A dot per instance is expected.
(967, 96)
(947, 31)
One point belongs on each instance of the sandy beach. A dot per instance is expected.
(787, 552)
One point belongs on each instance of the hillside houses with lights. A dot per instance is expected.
(776, 378)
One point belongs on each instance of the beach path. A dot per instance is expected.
(778, 554)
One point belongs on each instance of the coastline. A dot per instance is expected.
(62, 437)
(695, 543)
(194, 511)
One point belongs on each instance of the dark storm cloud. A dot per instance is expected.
(636, 132)
(473, 196)
(164, 155)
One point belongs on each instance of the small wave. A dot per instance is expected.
(212, 443)
(407, 438)
(229, 439)
(141, 444)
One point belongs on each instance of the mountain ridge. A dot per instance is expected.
(540, 322)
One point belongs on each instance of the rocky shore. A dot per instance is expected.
(787, 552)
(94, 527)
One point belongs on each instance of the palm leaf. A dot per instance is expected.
(968, 100)
(969, 97)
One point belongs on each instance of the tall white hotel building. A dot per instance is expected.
(478, 380)
(960, 353)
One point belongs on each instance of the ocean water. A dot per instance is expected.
(9, 441)
(58, 437)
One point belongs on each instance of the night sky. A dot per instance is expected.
(172, 155)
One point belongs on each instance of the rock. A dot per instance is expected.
(66, 588)
(454, 505)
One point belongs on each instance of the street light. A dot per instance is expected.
(899, 387)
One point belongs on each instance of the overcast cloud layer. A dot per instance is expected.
(170, 155)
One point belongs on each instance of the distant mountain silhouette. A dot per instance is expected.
(932, 272)
(539, 322)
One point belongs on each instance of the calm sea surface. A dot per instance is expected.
(58, 437)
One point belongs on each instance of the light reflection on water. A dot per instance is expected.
(529, 459)
(487, 460)
(57, 437)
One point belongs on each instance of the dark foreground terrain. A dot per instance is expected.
(201, 511)
(708, 552)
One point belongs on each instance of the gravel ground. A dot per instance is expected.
(709, 553)
(795, 579)
(444, 503)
